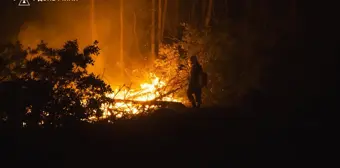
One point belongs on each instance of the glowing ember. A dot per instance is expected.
(132, 100)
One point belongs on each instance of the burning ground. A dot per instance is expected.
(129, 101)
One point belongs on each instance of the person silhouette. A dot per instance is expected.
(195, 87)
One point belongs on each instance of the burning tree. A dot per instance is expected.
(169, 72)
(161, 84)
(172, 63)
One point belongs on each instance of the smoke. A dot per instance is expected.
(60, 22)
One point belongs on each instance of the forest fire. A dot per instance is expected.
(129, 102)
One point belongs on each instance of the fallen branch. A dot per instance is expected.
(150, 103)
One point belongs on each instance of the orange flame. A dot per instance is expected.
(146, 92)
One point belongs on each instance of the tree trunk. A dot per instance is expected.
(122, 37)
(208, 16)
(176, 17)
(193, 13)
(153, 30)
(136, 34)
(204, 9)
(164, 16)
(159, 22)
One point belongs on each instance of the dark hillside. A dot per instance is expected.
(204, 135)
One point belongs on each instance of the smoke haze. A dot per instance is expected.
(58, 22)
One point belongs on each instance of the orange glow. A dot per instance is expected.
(146, 92)
(87, 22)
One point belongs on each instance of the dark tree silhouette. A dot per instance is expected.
(50, 87)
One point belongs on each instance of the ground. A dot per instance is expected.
(210, 135)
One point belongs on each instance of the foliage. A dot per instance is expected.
(12, 58)
(53, 85)
(172, 69)
(222, 56)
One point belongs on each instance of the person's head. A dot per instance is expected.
(193, 60)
